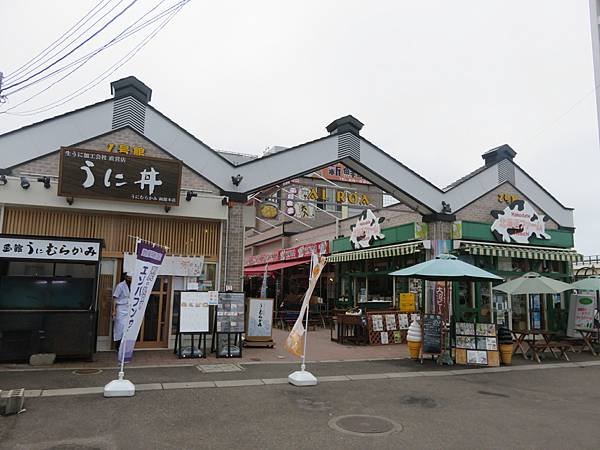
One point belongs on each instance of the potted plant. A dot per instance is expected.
(505, 345)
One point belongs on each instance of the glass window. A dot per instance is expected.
(30, 269)
(75, 270)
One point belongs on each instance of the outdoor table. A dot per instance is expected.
(586, 335)
(543, 344)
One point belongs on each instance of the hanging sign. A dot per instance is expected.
(366, 230)
(115, 176)
(180, 266)
(48, 248)
(519, 222)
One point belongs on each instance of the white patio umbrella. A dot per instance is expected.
(588, 284)
(533, 283)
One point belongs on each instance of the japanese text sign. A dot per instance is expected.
(48, 248)
(104, 175)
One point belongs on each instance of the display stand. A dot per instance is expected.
(259, 323)
(233, 348)
(180, 351)
(229, 321)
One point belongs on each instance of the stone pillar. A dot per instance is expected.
(233, 249)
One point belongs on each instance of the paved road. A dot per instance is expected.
(551, 408)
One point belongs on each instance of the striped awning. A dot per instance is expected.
(516, 251)
(374, 253)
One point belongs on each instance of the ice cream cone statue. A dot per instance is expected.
(414, 338)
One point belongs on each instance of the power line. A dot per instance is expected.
(106, 73)
(127, 32)
(58, 41)
(75, 49)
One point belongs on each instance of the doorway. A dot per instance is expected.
(154, 332)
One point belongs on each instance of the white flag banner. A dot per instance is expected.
(149, 258)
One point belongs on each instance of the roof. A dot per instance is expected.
(465, 178)
(237, 158)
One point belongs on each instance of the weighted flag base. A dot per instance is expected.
(119, 388)
(302, 378)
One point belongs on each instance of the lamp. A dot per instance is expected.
(225, 201)
(237, 179)
(167, 208)
(25, 183)
(46, 181)
(3, 179)
(190, 195)
(70, 200)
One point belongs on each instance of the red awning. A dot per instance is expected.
(256, 270)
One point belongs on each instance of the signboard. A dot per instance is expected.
(339, 172)
(115, 176)
(180, 266)
(366, 230)
(49, 248)
(581, 314)
(230, 312)
(477, 344)
(408, 302)
(432, 334)
(194, 312)
(260, 318)
(518, 222)
(286, 254)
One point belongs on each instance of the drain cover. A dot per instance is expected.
(87, 371)
(363, 425)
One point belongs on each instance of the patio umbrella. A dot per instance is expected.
(446, 268)
(588, 284)
(533, 283)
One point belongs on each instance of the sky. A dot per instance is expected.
(436, 83)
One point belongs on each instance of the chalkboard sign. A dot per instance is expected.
(432, 334)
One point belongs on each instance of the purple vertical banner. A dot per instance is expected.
(149, 258)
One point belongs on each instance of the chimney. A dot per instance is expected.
(131, 87)
(345, 124)
(498, 154)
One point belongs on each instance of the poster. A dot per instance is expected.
(377, 322)
(390, 322)
(397, 337)
(384, 338)
(194, 312)
(408, 302)
(260, 317)
(403, 321)
(230, 312)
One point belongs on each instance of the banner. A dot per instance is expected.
(295, 342)
(149, 258)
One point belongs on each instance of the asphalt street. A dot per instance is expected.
(546, 409)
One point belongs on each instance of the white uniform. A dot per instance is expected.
(121, 299)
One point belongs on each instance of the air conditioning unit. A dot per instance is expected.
(15, 398)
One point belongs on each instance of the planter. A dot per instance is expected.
(506, 351)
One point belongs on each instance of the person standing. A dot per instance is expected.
(120, 309)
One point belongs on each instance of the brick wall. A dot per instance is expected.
(479, 210)
(48, 165)
(235, 249)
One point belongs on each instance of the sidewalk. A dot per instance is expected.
(320, 349)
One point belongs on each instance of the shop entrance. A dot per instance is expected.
(154, 329)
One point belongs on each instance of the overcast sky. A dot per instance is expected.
(436, 83)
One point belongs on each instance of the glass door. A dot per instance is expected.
(154, 331)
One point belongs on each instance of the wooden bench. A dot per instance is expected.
(561, 346)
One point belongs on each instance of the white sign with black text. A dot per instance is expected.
(48, 248)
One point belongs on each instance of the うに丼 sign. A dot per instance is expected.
(103, 175)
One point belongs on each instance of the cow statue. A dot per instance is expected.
(518, 222)
(366, 230)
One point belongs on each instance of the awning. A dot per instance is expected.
(379, 252)
(256, 270)
(517, 251)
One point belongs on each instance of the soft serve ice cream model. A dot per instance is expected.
(414, 338)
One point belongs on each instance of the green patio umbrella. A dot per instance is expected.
(588, 284)
(446, 268)
(533, 283)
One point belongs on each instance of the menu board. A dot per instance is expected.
(230, 312)
(193, 315)
(432, 333)
(476, 344)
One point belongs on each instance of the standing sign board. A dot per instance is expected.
(581, 314)
(477, 344)
(106, 176)
(230, 312)
(432, 334)
(193, 315)
(259, 325)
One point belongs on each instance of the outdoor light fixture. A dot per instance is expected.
(25, 183)
(237, 179)
(3, 180)
(46, 181)
(167, 208)
(70, 200)
(190, 195)
(225, 201)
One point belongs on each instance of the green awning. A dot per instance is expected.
(375, 253)
(516, 251)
